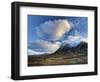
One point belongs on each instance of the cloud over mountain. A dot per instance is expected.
(52, 35)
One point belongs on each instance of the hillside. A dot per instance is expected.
(64, 56)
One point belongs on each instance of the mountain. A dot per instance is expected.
(81, 46)
(64, 56)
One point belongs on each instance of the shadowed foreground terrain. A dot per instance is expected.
(64, 56)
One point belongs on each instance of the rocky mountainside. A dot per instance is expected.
(80, 48)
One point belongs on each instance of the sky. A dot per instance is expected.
(46, 34)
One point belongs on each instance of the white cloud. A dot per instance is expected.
(53, 30)
(84, 39)
(74, 38)
(43, 47)
(32, 52)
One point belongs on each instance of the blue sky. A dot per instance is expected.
(43, 28)
(34, 21)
